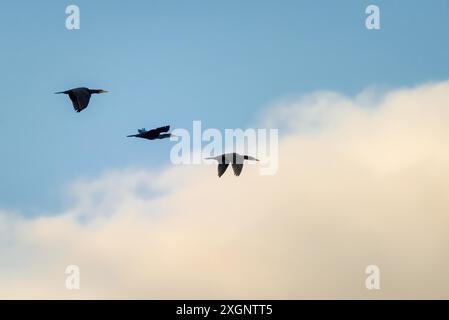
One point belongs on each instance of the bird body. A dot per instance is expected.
(235, 159)
(80, 97)
(158, 133)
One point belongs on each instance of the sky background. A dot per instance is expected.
(172, 62)
(367, 186)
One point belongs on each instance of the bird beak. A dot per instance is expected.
(104, 91)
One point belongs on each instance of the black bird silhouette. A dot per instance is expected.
(231, 158)
(153, 134)
(81, 96)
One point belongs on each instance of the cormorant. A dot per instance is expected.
(153, 134)
(231, 158)
(80, 96)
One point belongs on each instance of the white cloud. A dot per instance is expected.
(360, 182)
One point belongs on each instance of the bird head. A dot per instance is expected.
(98, 91)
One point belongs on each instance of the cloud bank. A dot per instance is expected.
(361, 181)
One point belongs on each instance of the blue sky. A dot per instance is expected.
(172, 62)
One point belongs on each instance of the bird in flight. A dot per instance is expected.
(81, 96)
(231, 158)
(158, 133)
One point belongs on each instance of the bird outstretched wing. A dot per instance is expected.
(154, 133)
(237, 168)
(158, 131)
(222, 168)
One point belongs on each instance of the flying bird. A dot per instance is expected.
(81, 96)
(231, 158)
(158, 133)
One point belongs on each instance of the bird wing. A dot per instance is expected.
(80, 98)
(237, 168)
(222, 168)
(153, 133)
(161, 129)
